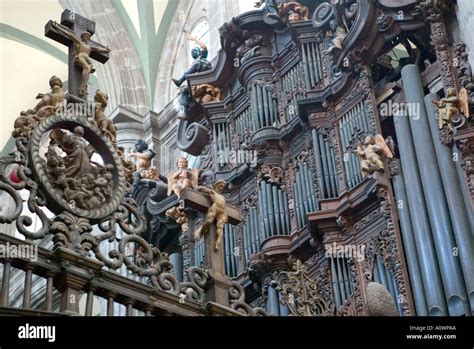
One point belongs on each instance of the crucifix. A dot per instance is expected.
(217, 213)
(75, 32)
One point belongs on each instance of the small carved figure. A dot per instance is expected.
(24, 125)
(82, 51)
(179, 216)
(183, 178)
(452, 105)
(216, 213)
(143, 155)
(270, 7)
(293, 12)
(340, 34)
(206, 93)
(128, 166)
(102, 121)
(372, 153)
(250, 48)
(151, 174)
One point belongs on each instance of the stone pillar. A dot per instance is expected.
(455, 200)
(409, 243)
(436, 205)
(420, 223)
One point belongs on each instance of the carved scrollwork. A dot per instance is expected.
(322, 15)
(192, 137)
(237, 301)
(16, 165)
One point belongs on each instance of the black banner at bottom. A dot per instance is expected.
(408, 332)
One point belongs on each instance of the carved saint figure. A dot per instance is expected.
(78, 153)
(199, 65)
(82, 51)
(143, 155)
(183, 178)
(338, 25)
(216, 213)
(81, 182)
(102, 121)
(452, 105)
(372, 153)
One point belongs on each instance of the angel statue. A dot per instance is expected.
(216, 213)
(372, 153)
(452, 105)
(183, 178)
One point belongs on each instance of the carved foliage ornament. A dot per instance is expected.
(300, 293)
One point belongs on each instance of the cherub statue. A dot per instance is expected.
(82, 51)
(452, 105)
(29, 119)
(151, 174)
(372, 153)
(206, 93)
(102, 121)
(216, 213)
(293, 11)
(183, 178)
(143, 155)
(50, 99)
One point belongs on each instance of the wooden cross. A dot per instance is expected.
(74, 25)
(219, 282)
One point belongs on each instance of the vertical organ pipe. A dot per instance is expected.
(335, 284)
(455, 202)
(421, 225)
(409, 244)
(438, 212)
(271, 214)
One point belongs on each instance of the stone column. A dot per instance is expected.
(436, 205)
(409, 243)
(421, 226)
(455, 200)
